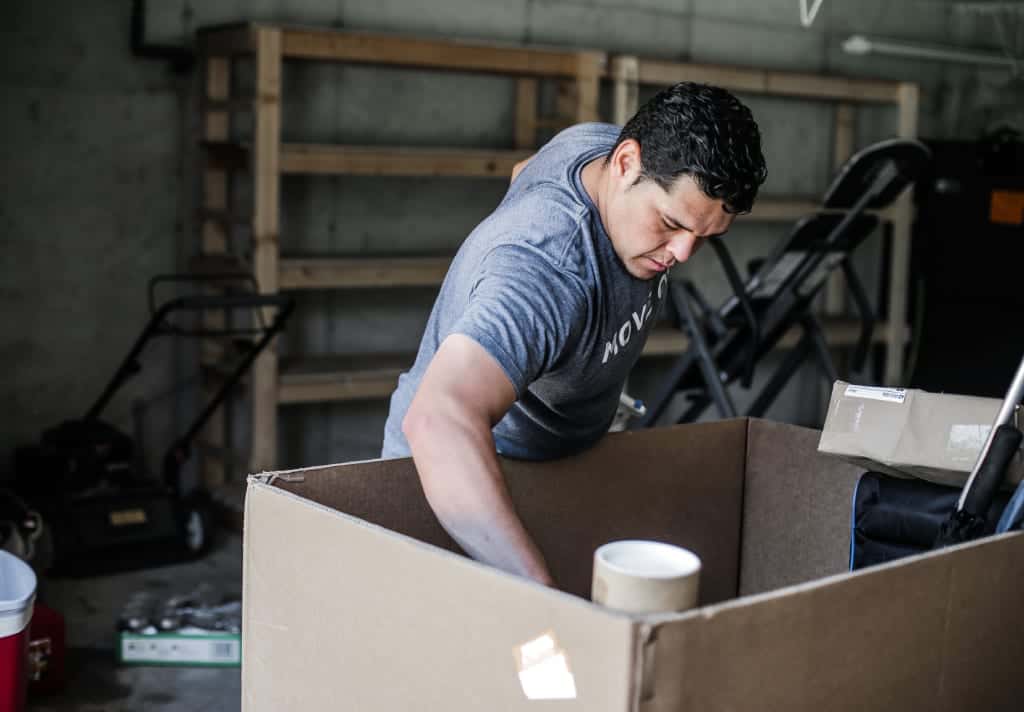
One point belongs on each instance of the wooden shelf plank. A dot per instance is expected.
(341, 378)
(781, 210)
(666, 341)
(429, 53)
(760, 81)
(395, 161)
(311, 159)
(357, 272)
(385, 161)
(337, 272)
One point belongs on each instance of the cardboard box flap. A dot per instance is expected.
(796, 508)
(872, 640)
(344, 605)
(383, 492)
(681, 485)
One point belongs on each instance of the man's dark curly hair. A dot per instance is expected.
(704, 132)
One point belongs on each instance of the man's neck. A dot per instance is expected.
(594, 175)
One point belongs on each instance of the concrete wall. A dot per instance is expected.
(90, 208)
(99, 183)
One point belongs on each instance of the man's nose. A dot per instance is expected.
(681, 246)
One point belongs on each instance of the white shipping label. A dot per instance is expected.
(890, 395)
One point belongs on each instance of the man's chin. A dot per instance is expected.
(640, 271)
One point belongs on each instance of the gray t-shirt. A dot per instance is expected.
(539, 286)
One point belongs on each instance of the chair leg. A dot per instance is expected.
(705, 359)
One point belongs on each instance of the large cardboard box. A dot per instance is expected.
(356, 599)
(908, 432)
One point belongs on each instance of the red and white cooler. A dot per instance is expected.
(17, 595)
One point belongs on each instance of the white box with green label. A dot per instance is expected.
(187, 647)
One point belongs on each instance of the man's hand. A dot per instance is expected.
(464, 392)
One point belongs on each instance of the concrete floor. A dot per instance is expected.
(95, 681)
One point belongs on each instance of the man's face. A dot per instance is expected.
(652, 229)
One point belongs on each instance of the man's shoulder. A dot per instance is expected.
(548, 265)
(585, 135)
(546, 216)
(556, 158)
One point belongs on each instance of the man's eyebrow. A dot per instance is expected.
(672, 222)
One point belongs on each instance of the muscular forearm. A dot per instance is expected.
(464, 484)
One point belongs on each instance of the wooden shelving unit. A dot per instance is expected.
(355, 272)
(264, 159)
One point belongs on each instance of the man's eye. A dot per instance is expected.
(668, 225)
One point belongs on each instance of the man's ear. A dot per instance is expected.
(625, 161)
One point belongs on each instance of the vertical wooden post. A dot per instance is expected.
(565, 101)
(214, 241)
(526, 113)
(265, 228)
(835, 292)
(586, 98)
(590, 67)
(899, 270)
(577, 97)
(626, 97)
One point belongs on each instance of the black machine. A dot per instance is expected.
(727, 343)
(85, 476)
(965, 265)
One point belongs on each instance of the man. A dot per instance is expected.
(548, 303)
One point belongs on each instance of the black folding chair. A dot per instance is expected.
(727, 343)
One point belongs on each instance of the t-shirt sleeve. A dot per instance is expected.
(524, 311)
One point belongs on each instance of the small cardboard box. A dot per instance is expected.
(356, 599)
(911, 433)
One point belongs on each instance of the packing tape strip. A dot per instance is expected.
(269, 478)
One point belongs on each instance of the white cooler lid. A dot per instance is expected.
(17, 594)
